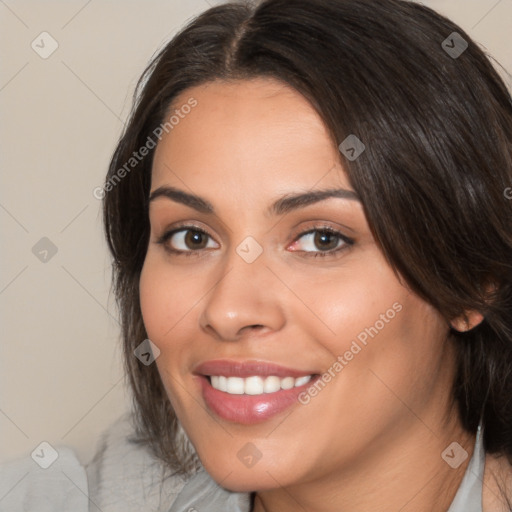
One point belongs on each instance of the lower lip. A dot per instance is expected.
(249, 409)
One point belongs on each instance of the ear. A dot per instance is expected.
(467, 321)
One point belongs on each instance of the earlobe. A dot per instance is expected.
(467, 321)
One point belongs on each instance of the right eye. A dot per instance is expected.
(185, 240)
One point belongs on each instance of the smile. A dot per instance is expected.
(250, 392)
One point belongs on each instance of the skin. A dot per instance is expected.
(372, 438)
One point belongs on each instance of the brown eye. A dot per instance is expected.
(325, 240)
(322, 242)
(195, 239)
(186, 240)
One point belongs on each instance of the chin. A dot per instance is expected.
(245, 480)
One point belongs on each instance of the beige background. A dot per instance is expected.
(61, 377)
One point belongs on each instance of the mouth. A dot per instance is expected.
(250, 392)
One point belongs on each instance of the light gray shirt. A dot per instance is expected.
(123, 477)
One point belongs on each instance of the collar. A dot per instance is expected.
(469, 494)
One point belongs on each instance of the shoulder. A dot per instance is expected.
(50, 478)
(124, 476)
(497, 481)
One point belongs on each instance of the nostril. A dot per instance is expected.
(254, 327)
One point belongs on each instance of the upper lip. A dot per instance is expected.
(231, 368)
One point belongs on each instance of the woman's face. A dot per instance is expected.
(287, 353)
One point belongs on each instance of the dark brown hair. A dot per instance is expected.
(438, 134)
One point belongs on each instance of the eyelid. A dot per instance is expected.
(321, 226)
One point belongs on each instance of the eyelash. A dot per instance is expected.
(321, 229)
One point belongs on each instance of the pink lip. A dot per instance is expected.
(248, 409)
(248, 369)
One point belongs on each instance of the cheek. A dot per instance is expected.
(166, 297)
(391, 345)
(154, 301)
(377, 334)
(352, 305)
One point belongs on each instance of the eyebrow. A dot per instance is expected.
(283, 205)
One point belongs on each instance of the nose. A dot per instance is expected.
(246, 299)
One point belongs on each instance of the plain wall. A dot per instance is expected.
(61, 377)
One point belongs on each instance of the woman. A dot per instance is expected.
(312, 243)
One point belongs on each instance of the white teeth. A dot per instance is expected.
(272, 384)
(253, 386)
(288, 383)
(223, 383)
(301, 380)
(256, 385)
(235, 385)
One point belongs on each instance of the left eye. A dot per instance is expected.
(187, 240)
(322, 241)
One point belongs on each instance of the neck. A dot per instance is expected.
(405, 472)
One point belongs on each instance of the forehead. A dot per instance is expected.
(250, 132)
